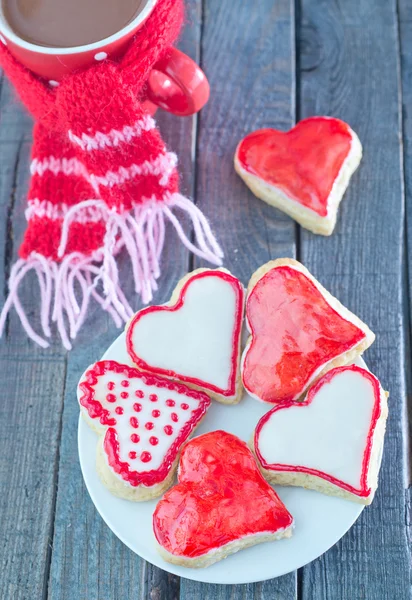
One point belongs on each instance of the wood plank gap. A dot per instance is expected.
(407, 359)
(9, 238)
(298, 241)
(195, 135)
(408, 515)
(297, 40)
(297, 79)
(299, 584)
(47, 568)
(298, 24)
(406, 279)
(1, 83)
(361, 263)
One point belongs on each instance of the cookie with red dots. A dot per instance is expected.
(142, 421)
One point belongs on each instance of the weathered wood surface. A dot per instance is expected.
(350, 69)
(347, 63)
(32, 383)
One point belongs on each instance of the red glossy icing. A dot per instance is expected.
(137, 407)
(221, 497)
(156, 413)
(295, 331)
(170, 402)
(154, 440)
(237, 286)
(139, 394)
(124, 395)
(363, 489)
(168, 429)
(111, 398)
(118, 410)
(303, 162)
(96, 410)
(146, 457)
(184, 406)
(153, 398)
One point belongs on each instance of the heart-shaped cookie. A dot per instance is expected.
(143, 421)
(220, 505)
(298, 332)
(196, 337)
(303, 172)
(331, 442)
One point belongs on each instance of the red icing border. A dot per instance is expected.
(254, 335)
(364, 491)
(111, 444)
(237, 286)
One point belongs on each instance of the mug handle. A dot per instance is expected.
(177, 84)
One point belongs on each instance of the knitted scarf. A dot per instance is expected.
(102, 181)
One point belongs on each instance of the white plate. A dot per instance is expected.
(320, 521)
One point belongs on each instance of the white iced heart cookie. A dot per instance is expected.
(142, 421)
(330, 442)
(195, 338)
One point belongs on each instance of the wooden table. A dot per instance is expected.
(270, 63)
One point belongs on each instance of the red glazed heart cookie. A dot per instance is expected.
(196, 337)
(143, 421)
(220, 505)
(331, 442)
(298, 332)
(303, 172)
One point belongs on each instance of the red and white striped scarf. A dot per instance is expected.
(102, 181)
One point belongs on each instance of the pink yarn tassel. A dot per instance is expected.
(70, 285)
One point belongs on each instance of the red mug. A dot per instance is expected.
(176, 83)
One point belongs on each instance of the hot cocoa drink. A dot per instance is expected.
(67, 23)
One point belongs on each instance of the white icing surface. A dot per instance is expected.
(328, 435)
(125, 429)
(195, 340)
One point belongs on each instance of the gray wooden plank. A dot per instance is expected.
(350, 68)
(32, 384)
(88, 561)
(248, 55)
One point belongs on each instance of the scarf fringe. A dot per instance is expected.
(67, 287)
